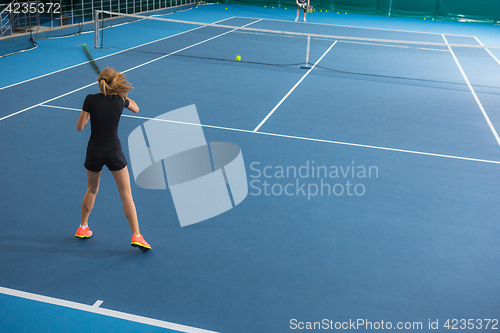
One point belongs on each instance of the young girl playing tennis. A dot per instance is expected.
(104, 148)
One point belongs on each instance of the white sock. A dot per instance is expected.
(139, 235)
(84, 227)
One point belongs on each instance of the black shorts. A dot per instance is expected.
(115, 160)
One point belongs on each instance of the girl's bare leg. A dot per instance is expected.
(122, 179)
(93, 179)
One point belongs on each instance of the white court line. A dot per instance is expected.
(146, 63)
(109, 55)
(491, 54)
(187, 47)
(298, 137)
(38, 77)
(493, 130)
(47, 101)
(101, 311)
(98, 303)
(291, 90)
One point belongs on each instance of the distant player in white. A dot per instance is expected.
(302, 4)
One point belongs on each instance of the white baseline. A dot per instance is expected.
(101, 311)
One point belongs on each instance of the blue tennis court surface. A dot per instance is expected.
(373, 181)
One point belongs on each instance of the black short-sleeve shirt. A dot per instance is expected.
(105, 112)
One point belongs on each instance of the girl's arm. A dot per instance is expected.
(132, 106)
(82, 120)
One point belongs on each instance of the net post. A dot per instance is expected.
(308, 48)
(96, 29)
(307, 52)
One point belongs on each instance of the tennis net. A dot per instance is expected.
(410, 60)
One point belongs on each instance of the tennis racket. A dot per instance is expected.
(91, 59)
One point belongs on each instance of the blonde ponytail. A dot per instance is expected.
(103, 86)
(112, 82)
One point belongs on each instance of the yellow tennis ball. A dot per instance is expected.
(238, 58)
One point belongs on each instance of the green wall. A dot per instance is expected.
(484, 11)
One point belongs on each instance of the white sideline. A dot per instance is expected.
(487, 50)
(105, 312)
(492, 128)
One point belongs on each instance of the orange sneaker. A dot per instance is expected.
(138, 241)
(83, 233)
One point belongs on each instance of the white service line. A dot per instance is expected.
(491, 54)
(146, 63)
(493, 130)
(109, 55)
(101, 311)
(298, 137)
(291, 90)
